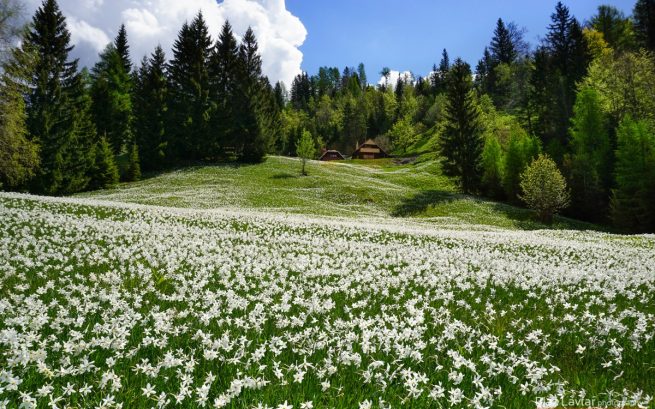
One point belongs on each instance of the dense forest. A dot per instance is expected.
(584, 96)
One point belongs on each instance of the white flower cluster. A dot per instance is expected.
(110, 305)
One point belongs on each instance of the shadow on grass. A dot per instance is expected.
(419, 203)
(520, 218)
(284, 176)
(526, 219)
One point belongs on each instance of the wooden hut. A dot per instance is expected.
(369, 150)
(332, 155)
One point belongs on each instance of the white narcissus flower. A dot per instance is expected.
(119, 294)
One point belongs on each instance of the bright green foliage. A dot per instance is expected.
(306, 149)
(57, 106)
(544, 188)
(492, 165)
(112, 100)
(615, 27)
(625, 84)
(633, 200)
(150, 111)
(133, 171)
(461, 143)
(403, 134)
(19, 157)
(104, 172)
(590, 166)
(521, 150)
(644, 23)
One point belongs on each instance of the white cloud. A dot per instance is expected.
(394, 76)
(93, 23)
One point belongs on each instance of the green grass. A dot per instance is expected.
(377, 188)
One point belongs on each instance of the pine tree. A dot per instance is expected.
(633, 200)
(53, 105)
(189, 102)
(104, 173)
(151, 110)
(461, 142)
(502, 47)
(224, 73)
(644, 23)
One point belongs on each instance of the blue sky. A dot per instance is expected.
(410, 34)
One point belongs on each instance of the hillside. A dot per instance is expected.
(352, 189)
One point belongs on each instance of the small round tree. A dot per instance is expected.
(306, 149)
(544, 188)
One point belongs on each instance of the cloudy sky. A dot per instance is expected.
(94, 23)
(307, 34)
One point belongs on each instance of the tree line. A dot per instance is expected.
(66, 130)
(584, 97)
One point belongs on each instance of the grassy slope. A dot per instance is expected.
(351, 188)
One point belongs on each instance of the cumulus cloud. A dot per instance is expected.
(93, 23)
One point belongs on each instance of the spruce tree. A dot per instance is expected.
(461, 142)
(151, 110)
(189, 101)
(123, 48)
(133, 171)
(249, 98)
(590, 159)
(224, 73)
(112, 99)
(361, 73)
(644, 23)
(502, 47)
(615, 27)
(561, 63)
(53, 104)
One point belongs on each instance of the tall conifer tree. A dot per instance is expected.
(224, 73)
(150, 110)
(461, 143)
(54, 102)
(189, 91)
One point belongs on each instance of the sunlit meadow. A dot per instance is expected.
(107, 305)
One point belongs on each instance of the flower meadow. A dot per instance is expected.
(108, 305)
